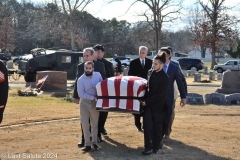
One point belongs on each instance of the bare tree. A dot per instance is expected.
(218, 27)
(196, 19)
(160, 11)
(69, 9)
(6, 35)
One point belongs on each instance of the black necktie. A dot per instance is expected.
(142, 63)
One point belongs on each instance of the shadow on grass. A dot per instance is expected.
(172, 150)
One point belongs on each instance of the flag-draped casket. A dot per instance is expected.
(122, 93)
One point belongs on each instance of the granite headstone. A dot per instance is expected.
(215, 98)
(233, 99)
(230, 83)
(195, 98)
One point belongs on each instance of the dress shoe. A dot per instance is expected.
(86, 148)
(139, 129)
(95, 147)
(100, 139)
(81, 144)
(155, 151)
(147, 152)
(104, 132)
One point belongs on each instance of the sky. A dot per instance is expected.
(104, 10)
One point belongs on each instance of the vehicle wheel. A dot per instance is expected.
(220, 70)
(193, 68)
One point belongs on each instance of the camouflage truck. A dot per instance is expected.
(47, 60)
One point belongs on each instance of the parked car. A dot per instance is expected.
(232, 65)
(191, 63)
(124, 60)
(5, 56)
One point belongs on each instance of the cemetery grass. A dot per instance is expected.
(199, 132)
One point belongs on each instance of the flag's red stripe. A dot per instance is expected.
(104, 88)
(141, 88)
(117, 83)
(130, 93)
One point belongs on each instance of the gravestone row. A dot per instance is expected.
(214, 98)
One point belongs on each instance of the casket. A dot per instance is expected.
(121, 94)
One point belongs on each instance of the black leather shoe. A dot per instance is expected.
(81, 144)
(95, 147)
(139, 129)
(147, 152)
(104, 132)
(86, 148)
(155, 151)
(100, 139)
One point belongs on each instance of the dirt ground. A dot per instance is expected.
(199, 132)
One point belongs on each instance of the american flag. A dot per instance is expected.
(123, 92)
(42, 80)
(2, 77)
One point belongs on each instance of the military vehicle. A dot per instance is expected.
(47, 60)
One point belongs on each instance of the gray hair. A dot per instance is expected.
(143, 47)
(89, 49)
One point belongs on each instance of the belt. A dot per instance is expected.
(88, 100)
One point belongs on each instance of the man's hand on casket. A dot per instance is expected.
(2, 106)
(77, 100)
(95, 99)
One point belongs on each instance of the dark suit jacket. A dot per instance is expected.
(98, 67)
(174, 73)
(3, 84)
(182, 76)
(136, 69)
(108, 67)
(155, 96)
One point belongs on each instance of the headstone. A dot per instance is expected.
(194, 70)
(184, 73)
(56, 80)
(10, 65)
(194, 98)
(125, 71)
(211, 76)
(233, 99)
(230, 83)
(197, 77)
(219, 77)
(205, 70)
(190, 73)
(215, 98)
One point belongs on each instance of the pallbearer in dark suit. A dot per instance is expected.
(174, 73)
(140, 67)
(3, 88)
(99, 52)
(154, 106)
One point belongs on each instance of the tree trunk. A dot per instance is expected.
(72, 40)
(203, 51)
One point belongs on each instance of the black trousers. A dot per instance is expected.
(167, 119)
(152, 122)
(1, 114)
(101, 122)
(137, 118)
